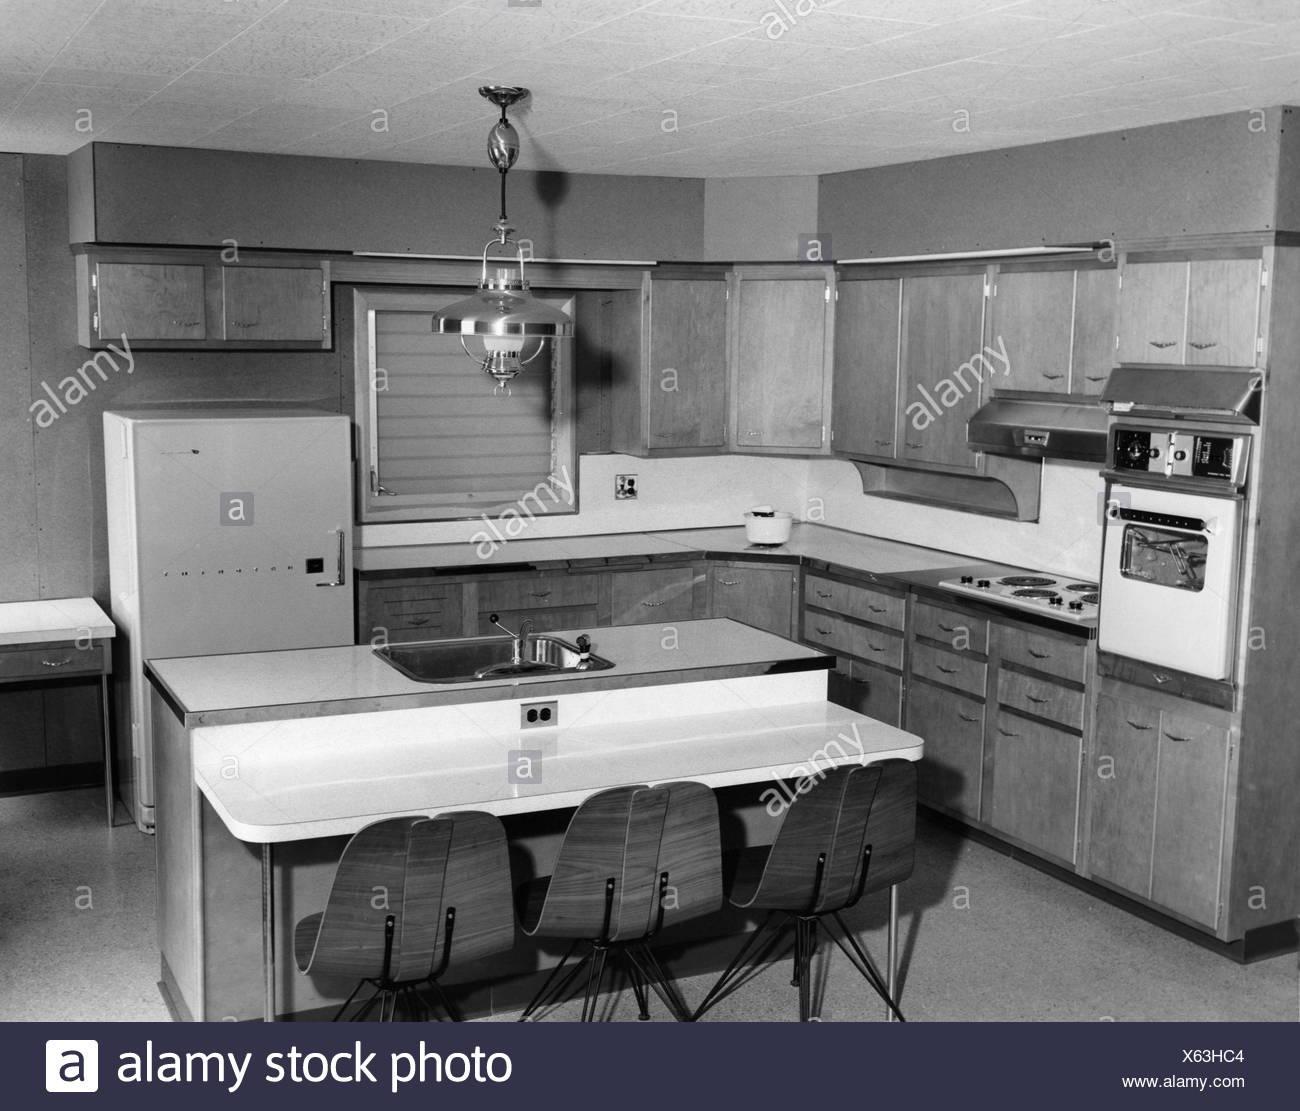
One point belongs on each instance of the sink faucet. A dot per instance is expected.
(526, 627)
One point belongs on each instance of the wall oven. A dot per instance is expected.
(1173, 545)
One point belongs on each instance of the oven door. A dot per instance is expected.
(1169, 579)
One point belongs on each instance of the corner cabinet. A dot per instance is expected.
(761, 595)
(782, 324)
(1190, 311)
(190, 299)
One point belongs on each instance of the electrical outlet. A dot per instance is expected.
(624, 486)
(533, 715)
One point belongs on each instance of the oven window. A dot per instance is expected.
(1164, 557)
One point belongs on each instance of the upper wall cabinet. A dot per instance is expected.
(1051, 328)
(188, 299)
(663, 353)
(865, 415)
(942, 366)
(1202, 311)
(782, 324)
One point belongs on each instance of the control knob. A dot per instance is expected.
(1055, 600)
(983, 584)
(967, 579)
(1076, 606)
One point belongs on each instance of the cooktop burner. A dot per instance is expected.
(1064, 598)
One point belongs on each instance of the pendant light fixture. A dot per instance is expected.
(503, 314)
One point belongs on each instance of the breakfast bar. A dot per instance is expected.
(299, 749)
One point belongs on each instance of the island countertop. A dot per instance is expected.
(318, 682)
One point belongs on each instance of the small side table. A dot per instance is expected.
(56, 638)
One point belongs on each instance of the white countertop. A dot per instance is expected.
(807, 541)
(53, 619)
(343, 680)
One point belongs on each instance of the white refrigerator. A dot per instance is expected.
(228, 531)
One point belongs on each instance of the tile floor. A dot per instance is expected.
(983, 937)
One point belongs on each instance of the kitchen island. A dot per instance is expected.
(298, 750)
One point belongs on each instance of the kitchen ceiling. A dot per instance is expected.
(698, 88)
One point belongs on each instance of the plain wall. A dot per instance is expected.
(758, 218)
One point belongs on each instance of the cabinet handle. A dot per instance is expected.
(1160, 677)
(946, 670)
(1094, 377)
(910, 444)
(418, 621)
(1175, 737)
(947, 628)
(1007, 733)
(1039, 655)
(874, 648)
(1201, 347)
(57, 663)
(1036, 701)
(245, 323)
(821, 632)
(876, 609)
(1161, 344)
(967, 717)
(653, 605)
(1138, 727)
(1052, 377)
(539, 594)
(884, 443)
(728, 582)
(824, 594)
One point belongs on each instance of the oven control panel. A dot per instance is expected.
(1212, 457)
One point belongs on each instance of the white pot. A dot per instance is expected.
(768, 530)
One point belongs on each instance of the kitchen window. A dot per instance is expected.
(435, 442)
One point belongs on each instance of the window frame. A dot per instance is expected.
(375, 508)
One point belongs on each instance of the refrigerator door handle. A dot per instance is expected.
(340, 575)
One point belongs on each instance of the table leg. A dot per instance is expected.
(892, 955)
(268, 932)
(107, 726)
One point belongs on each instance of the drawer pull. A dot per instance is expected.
(825, 594)
(874, 648)
(539, 594)
(822, 632)
(1094, 377)
(877, 609)
(1052, 377)
(1161, 344)
(56, 663)
(884, 443)
(947, 628)
(967, 717)
(1175, 737)
(1138, 727)
(1201, 347)
(1007, 732)
(1040, 655)
(728, 582)
(419, 620)
(1036, 701)
(1160, 677)
(653, 605)
(910, 444)
(946, 670)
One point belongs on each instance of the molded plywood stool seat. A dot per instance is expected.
(852, 832)
(634, 859)
(410, 895)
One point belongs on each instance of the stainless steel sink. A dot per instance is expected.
(470, 659)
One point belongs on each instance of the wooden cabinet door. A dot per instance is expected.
(1035, 789)
(1223, 311)
(952, 727)
(686, 376)
(1152, 312)
(942, 365)
(1030, 317)
(1122, 793)
(864, 401)
(1190, 790)
(149, 301)
(780, 363)
(656, 594)
(758, 596)
(874, 691)
(1094, 330)
(273, 303)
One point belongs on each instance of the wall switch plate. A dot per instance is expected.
(535, 715)
(624, 486)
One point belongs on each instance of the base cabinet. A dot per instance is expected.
(1035, 791)
(754, 595)
(652, 595)
(949, 776)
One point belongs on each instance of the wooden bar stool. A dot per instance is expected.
(410, 895)
(634, 860)
(852, 832)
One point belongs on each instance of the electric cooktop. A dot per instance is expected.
(1064, 598)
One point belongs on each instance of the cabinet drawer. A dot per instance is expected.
(412, 611)
(865, 643)
(1035, 793)
(660, 594)
(852, 600)
(46, 663)
(1044, 652)
(759, 596)
(868, 690)
(949, 668)
(963, 632)
(1042, 698)
(544, 620)
(537, 592)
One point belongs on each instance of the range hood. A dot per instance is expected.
(1040, 426)
(1224, 393)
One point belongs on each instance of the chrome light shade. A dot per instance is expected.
(502, 313)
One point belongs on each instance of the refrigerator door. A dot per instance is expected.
(245, 535)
